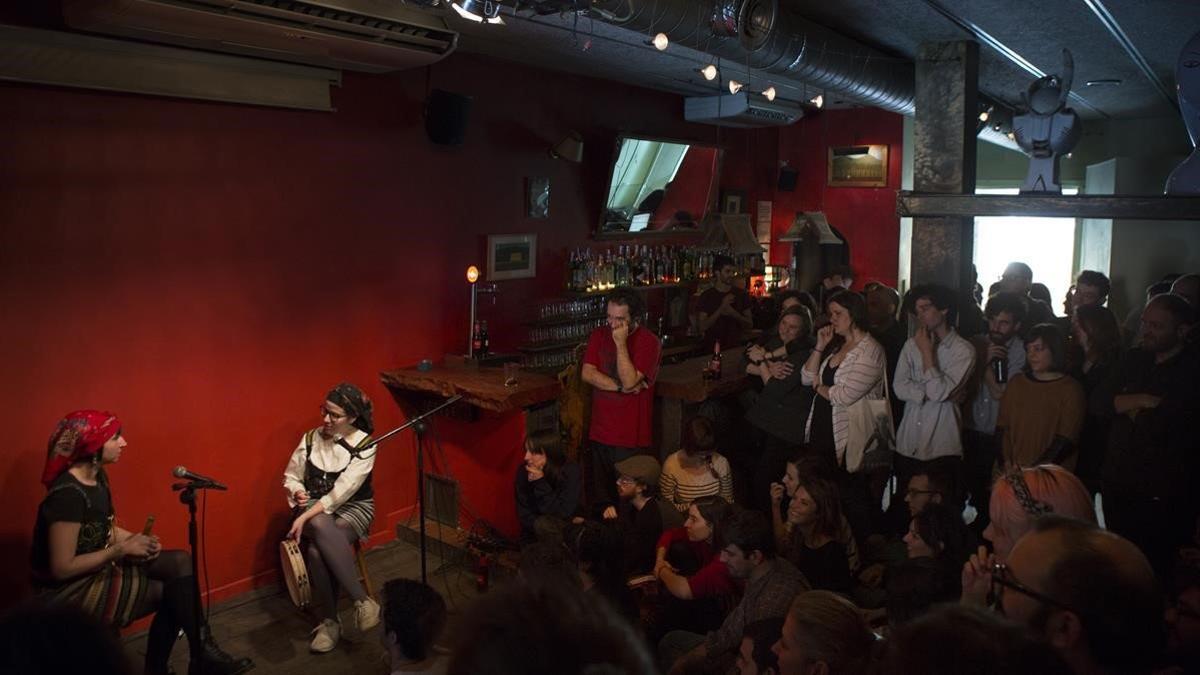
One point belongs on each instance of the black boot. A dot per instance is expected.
(211, 660)
(179, 595)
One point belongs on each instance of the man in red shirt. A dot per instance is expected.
(621, 364)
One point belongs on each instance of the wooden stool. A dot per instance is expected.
(363, 575)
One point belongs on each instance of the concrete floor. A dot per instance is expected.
(267, 627)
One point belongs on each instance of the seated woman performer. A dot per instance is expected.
(328, 481)
(81, 557)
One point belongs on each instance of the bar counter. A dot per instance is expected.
(681, 386)
(481, 386)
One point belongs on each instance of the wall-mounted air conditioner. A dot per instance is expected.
(740, 110)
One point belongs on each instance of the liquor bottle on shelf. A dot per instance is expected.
(484, 343)
(477, 338)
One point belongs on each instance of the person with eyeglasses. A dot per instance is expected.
(1089, 593)
(328, 484)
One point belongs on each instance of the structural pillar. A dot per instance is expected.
(945, 124)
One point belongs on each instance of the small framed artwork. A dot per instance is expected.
(732, 201)
(511, 256)
(537, 197)
(858, 166)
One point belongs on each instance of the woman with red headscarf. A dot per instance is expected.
(81, 557)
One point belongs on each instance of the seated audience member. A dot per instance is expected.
(1151, 469)
(1098, 341)
(938, 533)
(824, 633)
(596, 551)
(813, 519)
(748, 552)
(545, 629)
(54, 639)
(641, 516)
(547, 487)
(930, 486)
(1019, 497)
(914, 586)
(1183, 620)
(1005, 313)
(1042, 411)
(697, 469)
(1018, 278)
(954, 640)
(413, 617)
(777, 364)
(755, 656)
(801, 464)
(688, 564)
(1088, 593)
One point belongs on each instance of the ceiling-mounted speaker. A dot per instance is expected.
(446, 117)
(787, 179)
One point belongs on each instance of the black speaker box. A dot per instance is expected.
(787, 179)
(446, 117)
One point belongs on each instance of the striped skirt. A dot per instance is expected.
(359, 514)
(113, 593)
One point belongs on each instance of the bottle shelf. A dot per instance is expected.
(555, 345)
(651, 287)
(561, 320)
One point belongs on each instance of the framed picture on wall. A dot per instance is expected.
(858, 166)
(732, 201)
(511, 256)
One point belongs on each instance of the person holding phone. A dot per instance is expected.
(621, 364)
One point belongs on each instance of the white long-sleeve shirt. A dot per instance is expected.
(932, 424)
(328, 455)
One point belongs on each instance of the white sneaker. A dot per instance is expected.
(326, 638)
(366, 614)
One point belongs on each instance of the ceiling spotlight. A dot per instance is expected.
(661, 42)
(769, 93)
(1011, 136)
(479, 11)
(983, 116)
(709, 72)
(735, 86)
(818, 100)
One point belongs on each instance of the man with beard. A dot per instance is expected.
(1001, 352)
(1152, 461)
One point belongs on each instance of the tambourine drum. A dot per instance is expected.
(295, 573)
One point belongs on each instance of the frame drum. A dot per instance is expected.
(295, 573)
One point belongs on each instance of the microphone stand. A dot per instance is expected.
(187, 495)
(420, 427)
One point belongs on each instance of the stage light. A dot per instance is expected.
(818, 100)
(709, 72)
(735, 86)
(769, 93)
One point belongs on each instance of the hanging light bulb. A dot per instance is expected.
(769, 93)
(661, 42)
(709, 72)
(1011, 136)
(735, 86)
(983, 116)
(818, 100)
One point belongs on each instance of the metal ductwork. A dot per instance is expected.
(775, 40)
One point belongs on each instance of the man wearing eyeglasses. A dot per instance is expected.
(1089, 593)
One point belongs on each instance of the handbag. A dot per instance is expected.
(871, 437)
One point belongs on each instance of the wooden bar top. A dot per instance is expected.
(479, 386)
(685, 380)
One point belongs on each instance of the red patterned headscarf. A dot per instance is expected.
(79, 435)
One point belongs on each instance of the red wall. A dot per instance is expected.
(866, 216)
(207, 271)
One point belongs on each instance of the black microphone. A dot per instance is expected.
(182, 472)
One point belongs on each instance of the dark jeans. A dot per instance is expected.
(980, 451)
(603, 479)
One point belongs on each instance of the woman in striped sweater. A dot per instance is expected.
(697, 469)
(846, 366)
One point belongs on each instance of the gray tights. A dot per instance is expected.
(329, 556)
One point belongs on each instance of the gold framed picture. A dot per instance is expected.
(858, 166)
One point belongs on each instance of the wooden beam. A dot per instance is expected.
(1139, 207)
(944, 158)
